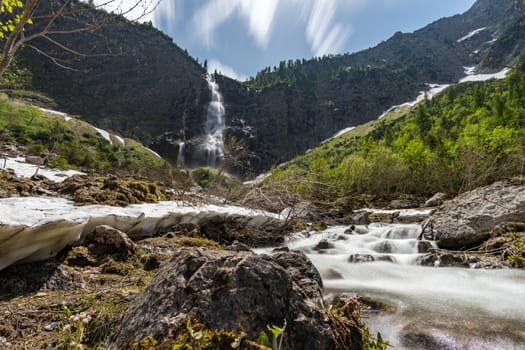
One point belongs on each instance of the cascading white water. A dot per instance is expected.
(461, 308)
(180, 155)
(215, 124)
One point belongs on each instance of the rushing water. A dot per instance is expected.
(215, 124)
(435, 308)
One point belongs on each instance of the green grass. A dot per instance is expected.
(74, 144)
(470, 135)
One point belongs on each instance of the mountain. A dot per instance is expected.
(151, 89)
(470, 135)
(295, 106)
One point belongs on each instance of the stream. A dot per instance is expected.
(428, 307)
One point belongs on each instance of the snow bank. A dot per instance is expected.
(471, 34)
(153, 152)
(27, 170)
(120, 140)
(37, 228)
(434, 89)
(402, 212)
(62, 114)
(339, 133)
(483, 77)
(104, 134)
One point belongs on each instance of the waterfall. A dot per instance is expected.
(180, 155)
(215, 124)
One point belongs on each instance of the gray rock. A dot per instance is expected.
(436, 200)
(402, 204)
(108, 240)
(360, 258)
(423, 246)
(323, 244)
(36, 160)
(228, 290)
(468, 219)
(360, 218)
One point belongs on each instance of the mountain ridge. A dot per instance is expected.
(165, 92)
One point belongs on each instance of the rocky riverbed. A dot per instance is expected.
(153, 275)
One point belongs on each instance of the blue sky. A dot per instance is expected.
(241, 37)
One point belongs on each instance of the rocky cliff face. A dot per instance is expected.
(134, 80)
(152, 90)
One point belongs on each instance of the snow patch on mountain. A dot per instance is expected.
(104, 134)
(471, 34)
(483, 77)
(66, 116)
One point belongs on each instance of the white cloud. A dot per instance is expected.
(258, 14)
(216, 65)
(323, 35)
(167, 13)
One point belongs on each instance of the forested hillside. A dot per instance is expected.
(470, 135)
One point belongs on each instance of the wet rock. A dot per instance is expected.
(360, 258)
(423, 246)
(468, 219)
(444, 260)
(350, 230)
(323, 244)
(281, 249)
(436, 200)
(228, 290)
(360, 218)
(384, 247)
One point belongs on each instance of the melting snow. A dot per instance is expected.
(35, 211)
(120, 140)
(434, 90)
(469, 70)
(36, 228)
(27, 170)
(339, 133)
(104, 134)
(471, 34)
(62, 114)
(153, 152)
(483, 77)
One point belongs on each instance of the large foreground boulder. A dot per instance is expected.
(468, 219)
(235, 291)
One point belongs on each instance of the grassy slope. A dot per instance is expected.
(470, 135)
(74, 144)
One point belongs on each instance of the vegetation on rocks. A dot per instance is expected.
(73, 144)
(471, 135)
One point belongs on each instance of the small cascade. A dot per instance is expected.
(180, 155)
(215, 125)
(381, 262)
